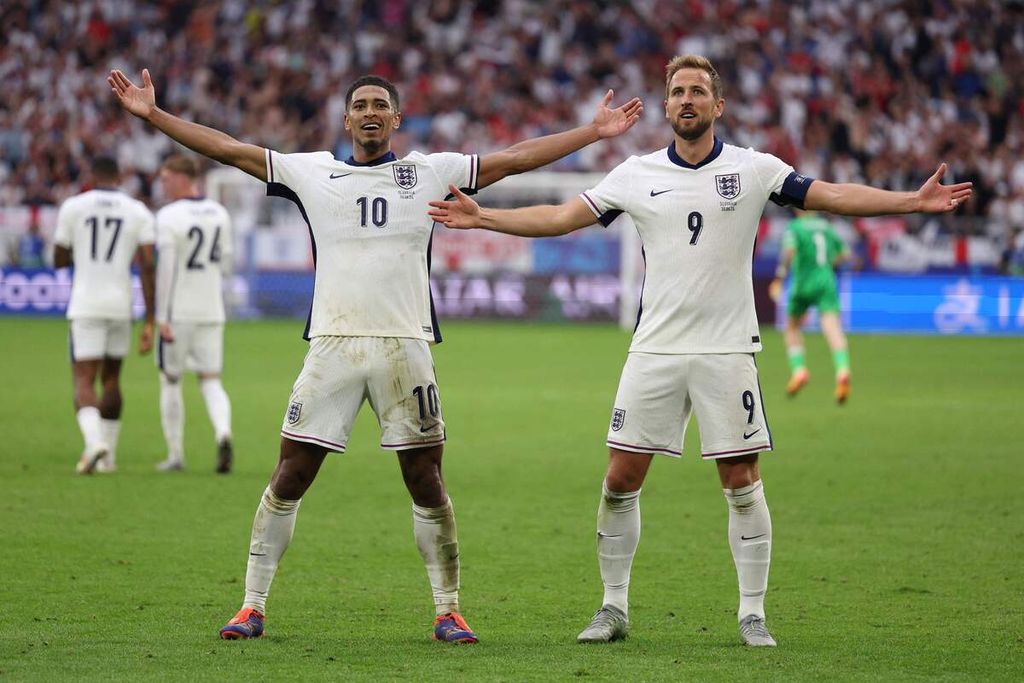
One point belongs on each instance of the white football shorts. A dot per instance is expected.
(198, 347)
(396, 375)
(95, 338)
(658, 392)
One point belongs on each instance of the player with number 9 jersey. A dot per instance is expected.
(697, 206)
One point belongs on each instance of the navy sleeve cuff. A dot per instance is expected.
(794, 191)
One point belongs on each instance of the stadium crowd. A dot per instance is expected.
(874, 92)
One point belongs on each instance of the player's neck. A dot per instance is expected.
(696, 151)
(364, 154)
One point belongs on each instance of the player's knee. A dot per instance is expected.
(210, 383)
(168, 380)
(739, 474)
(619, 482)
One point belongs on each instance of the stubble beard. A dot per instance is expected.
(695, 132)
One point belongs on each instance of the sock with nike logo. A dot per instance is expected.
(618, 534)
(271, 533)
(438, 541)
(750, 538)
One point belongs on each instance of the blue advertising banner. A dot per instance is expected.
(935, 304)
(928, 304)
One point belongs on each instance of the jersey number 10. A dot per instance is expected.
(376, 211)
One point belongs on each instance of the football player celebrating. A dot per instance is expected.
(372, 319)
(696, 205)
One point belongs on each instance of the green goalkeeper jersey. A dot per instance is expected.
(815, 247)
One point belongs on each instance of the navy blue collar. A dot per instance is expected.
(197, 198)
(106, 188)
(390, 156)
(674, 157)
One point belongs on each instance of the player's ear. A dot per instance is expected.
(397, 119)
(664, 105)
(719, 107)
(348, 124)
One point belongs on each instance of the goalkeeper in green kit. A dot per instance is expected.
(813, 251)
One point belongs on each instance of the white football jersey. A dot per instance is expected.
(697, 223)
(103, 229)
(194, 242)
(371, 236)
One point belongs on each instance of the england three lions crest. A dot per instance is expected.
(405, 175)
(294, 412)
(728, 185)
(618, 419)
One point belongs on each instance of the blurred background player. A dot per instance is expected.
(812, 252)
(696, 205)
(194, 258)
(372, 318)
(100, 232)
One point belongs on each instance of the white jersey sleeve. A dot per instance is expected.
(460, 170)
(779, 182)
(64, 233)
(612, 195)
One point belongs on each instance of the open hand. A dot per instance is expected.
(138, 101)
(167, 333)
(935, 197)
(460, 212)
(612, 122)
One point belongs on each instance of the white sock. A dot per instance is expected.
(89, 424)
(218, 407)
(618, 534)
(111, 430)
(750, 537)
(438, 542)
(271, 533)
(172, 417)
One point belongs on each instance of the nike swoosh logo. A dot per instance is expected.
(427, 429)
(335, 176)
(655, 194)
(751, 538)
(747, 436)
(257, 554)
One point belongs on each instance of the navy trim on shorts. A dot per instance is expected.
(771, 441)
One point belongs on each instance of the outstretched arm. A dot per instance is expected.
(530, 154)
(529, 221)
(849, 199)
(206, 141)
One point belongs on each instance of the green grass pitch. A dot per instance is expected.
(898, 523)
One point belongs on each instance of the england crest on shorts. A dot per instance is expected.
(618, 419)
(405, 175)
(294, 412)
(728, 185)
